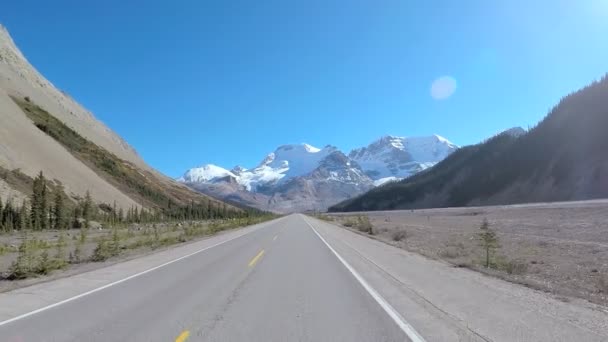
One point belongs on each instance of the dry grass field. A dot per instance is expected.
(561, 248)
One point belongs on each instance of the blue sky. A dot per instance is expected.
(226, 82)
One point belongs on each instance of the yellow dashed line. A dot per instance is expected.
(183, 336)
(256, 258)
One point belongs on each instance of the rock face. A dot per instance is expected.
(301, 177)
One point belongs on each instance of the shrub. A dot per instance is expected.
(24, 266)
(399, 235)
(514, 267)
(325, 217)
(602, 284)
(104, 250)
(349, 223)
(364, 225)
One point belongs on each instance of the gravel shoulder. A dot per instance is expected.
(447, 303)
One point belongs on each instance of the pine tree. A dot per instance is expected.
(487, 240)
(1, 215)
(87, 208)
(39, 209)
(24, 217)
(114, 214)
(8, 215)
(121, 215)
(59, 211)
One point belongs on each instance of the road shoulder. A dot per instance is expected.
(447, 303)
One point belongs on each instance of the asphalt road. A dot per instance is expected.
(277, 283)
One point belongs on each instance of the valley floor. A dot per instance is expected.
(560, 248)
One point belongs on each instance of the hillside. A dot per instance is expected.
(43, 129)
(562, 158)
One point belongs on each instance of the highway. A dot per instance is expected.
(277, 283)
(295, 278)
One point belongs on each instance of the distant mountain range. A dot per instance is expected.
(563, 158)
(302, 177)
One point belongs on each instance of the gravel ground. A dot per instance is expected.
(561, 248)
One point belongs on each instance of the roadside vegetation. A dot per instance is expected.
(41, 252)
(361, 223)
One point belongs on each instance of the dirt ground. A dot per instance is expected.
(561, 248)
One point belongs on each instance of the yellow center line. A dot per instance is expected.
(256, 258)
(183, 336)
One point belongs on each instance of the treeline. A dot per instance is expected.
(50, 208)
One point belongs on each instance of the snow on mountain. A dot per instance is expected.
(385, 180)
(302, 177)
(297, 160)
(205, 173)
(400, 157)
(286, 162)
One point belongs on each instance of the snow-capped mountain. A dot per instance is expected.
(205, 174)
(300, 177)
(393, 158)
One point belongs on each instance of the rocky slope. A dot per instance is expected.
(43, 129)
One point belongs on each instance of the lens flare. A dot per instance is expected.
(443, 87)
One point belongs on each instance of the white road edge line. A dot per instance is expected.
(401, 322)
(117, 282)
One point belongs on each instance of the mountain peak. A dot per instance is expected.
(237, 170)
(205, 173)
(515, 132)
(304, 147)
(302, 174)
(400, 157)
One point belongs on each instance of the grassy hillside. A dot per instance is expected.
(562, 158)
(143, 186)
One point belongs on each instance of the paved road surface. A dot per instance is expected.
(277, 283)
(280, 281)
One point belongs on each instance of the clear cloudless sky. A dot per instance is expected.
(225, 82)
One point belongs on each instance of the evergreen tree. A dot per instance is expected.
(114, 214)
(39, 209)
(87, 208)
(59, 211)
(1, 215)
(487, 240)
(8, 216)
(24, 216)
(75, 217)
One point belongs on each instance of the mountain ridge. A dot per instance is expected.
(296, 177)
